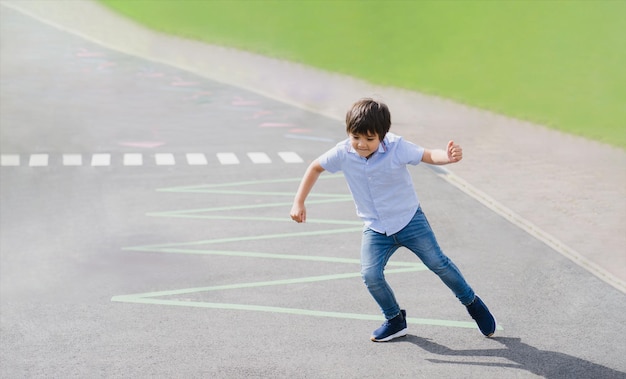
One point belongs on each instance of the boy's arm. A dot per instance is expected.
(298, 210)
(452, 154)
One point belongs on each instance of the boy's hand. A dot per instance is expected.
(298, 213)
(455, 152)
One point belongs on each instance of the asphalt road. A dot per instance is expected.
(157, 263)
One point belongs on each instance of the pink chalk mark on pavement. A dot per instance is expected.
(239, 101)
(178, 82)
(84, 53)
(143, 144)
(151, 74)
(275, 125)
(200, 94)
(104, 65)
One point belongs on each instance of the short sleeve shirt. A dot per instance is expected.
(381, 186)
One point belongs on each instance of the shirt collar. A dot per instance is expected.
(382, 148)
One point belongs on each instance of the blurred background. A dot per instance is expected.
(555, 63)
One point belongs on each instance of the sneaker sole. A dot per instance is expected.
(495, 322)
(399, 334)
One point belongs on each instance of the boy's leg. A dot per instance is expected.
(376, 249)
(420, 239)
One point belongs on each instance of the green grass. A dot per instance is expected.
(557, 63)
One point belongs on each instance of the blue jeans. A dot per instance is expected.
(417, 236)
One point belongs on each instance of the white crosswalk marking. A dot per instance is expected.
(101, 160)
(164, 159)
(72, 160)
(133, 159)
(290, 157)
(9, 160)
(259, 158)
(137, 159)
(196, 159)
(227, 158)
(38, 160)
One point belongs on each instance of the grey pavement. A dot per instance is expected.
(196, 271)
(567, 191)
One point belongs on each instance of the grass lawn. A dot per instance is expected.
(559, 63)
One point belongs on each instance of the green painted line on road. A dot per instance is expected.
(195, 248)
(251, 254)
(247, 238)
(294, 311)
(279, 282)
(182, 214)
(199, 188)
(250, 206)
(151, 298)
(263, 193)
(231, 184)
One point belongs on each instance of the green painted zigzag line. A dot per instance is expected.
(197, 248)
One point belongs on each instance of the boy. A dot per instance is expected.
(374, 164)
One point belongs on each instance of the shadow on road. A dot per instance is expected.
(549, 364)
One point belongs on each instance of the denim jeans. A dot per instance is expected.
(418, 237)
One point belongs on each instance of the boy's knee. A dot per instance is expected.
(372, 277)
(439, 266)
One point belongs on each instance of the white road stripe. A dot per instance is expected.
(72, 160)
(259, 158)
(133, 159)
(290, 157)
(164, 159)
(9, 160)
(227, 158)
(101, 160)
(38, 160)
(137, 159)
(196, 159)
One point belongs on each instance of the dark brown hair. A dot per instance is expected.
(368, 117)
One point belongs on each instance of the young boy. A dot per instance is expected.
(374, 164)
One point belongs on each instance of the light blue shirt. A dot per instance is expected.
(381, 186)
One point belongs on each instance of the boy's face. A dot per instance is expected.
(365, 145)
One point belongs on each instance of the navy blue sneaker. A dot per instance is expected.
(394, 328)
(480, 313)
